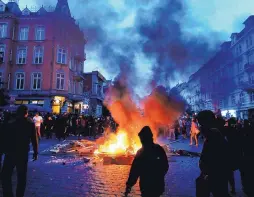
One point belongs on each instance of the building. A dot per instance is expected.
(42, 56)
(226, 81)
(94, 85)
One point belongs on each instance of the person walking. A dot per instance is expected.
(38, 121)
(17, 138)
(150, 165)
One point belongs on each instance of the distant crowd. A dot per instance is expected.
(64, 125)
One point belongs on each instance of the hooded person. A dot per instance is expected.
(150, 165)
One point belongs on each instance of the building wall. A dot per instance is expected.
(61, 31)
(226, 81)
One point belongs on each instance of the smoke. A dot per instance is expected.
(147, 41)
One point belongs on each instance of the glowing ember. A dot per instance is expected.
(119, 143)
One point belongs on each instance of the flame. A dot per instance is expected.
(119, 143)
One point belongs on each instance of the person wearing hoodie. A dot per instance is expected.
(150, 165)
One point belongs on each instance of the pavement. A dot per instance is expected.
(52, 176)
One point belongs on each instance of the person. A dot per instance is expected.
(194, 131)
(38, 121)
(49, 124)
(17, 137)
(247, 160)
(150, 165)
(214, 161)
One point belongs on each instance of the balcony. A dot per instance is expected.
(246, 85)
(78, 76)
(249, 67)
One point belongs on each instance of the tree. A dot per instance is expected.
(4, 97)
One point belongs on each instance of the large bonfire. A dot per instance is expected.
(156, 110)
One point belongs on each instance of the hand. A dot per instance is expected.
(35, 156)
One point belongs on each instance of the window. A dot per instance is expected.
(252, 97)
(240, 66)
(95, 89)
(61, 56)
(60, 81)
(69, 86)
(20, 81)
(221, 103)
(21, 55)
(81, 86)
(240, 48)
(2, 53)
(252, 79)
(40, 33)
(74, 87)
(38, 55)
(251, 58)
(242, 97)
(233, 100)
(36, 81)
(23, 33)
(3, 30)
(1, 79)
(2, 8)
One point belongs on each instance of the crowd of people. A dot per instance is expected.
(63, 125)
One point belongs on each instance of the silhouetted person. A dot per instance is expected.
(214, 161)
(150, 165)
(20, 133)
(247, 163)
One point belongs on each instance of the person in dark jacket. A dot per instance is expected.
(247, 161)
(214, 161)
(150, 165)
(17, 137)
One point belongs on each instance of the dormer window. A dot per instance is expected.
(26, 12)
(2, 7)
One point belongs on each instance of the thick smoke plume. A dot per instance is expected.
(144, 39)
(157, 110)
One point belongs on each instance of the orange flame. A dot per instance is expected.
(158, 111)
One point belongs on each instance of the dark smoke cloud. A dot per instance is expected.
(157, 32)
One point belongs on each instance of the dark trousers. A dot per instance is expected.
(231, 180)
(247, 174)
(10, 162)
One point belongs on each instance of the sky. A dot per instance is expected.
(161, 41)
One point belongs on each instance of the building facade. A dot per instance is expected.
(42, 57)
(226, 81)
(95, 84)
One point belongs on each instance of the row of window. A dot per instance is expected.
(239, 47)
(38, 55)
(36, 81)
(24, 32)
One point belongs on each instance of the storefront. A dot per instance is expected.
(57, 103)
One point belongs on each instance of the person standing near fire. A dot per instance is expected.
(38, 121)
(150, 165)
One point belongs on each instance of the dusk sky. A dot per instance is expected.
(120, 29)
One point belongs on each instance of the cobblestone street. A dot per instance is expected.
(70, 177)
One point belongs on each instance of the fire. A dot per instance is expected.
(119, 143)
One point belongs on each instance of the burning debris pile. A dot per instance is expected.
(157, 109)
(72, 147)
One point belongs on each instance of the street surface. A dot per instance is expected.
(69, 177)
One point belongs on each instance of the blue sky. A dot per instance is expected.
(211, 20)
